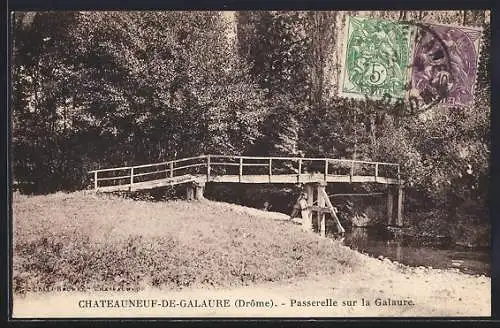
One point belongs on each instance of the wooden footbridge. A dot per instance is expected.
(313, 173)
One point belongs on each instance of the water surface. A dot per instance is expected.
(375, 243)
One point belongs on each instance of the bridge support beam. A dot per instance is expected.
(321, 214)
(390, 205)
(194, 191)
(307, 214)
(189, 191)
(399, 219)
(199, 188)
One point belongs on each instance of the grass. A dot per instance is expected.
(92, 242)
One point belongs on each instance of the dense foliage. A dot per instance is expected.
(109, 88)
(97, 89)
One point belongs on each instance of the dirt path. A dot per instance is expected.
(427, 292)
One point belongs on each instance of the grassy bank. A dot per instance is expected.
(94, 242)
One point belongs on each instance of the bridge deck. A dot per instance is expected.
(303, 178)
(147, 185)
(261, 179)
(244, 169)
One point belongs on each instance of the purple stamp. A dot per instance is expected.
(445, 65)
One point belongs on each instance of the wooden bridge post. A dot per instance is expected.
(351, 172)
(326, 169)
(300, 172)
(208, 168)
(307, 220)
(189, 191)
(399, 219)
(390, 205)
(333, 211)
(321, 205)
(95, 180)
(270, 173)
(241, 169)
(199, 188)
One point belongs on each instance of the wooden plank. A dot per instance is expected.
(189, 191)
(208, 167)
(326, 168)
(198, 190)
(270, 173)
(189, 158)
(360, 179)
(161, 183)
(241, 168)
(255, 164)
(123, 168)
(332, 210)
(307, 220)
(151, 184)
(390, 206)
(360, 194)
(399, 219)
(149, 165)
(225, 164)
(228, 156)
(188, 166)
(304, 178)
(300, 170)
(115, 178)
(149, 173)
(351, 171)
(316, 208)
(268, 157)
(321, 214)
(349, 161)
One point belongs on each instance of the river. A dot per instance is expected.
(374, 242)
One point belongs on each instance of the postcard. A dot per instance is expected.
(250, 164)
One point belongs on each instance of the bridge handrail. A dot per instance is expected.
(147, 165)
(170, 166)
(304, 159)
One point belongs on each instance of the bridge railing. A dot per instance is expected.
(129, 175)
(224, 165)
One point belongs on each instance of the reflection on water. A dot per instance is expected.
(376, 242)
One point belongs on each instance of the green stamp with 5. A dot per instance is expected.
(377, 58)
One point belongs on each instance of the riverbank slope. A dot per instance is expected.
(200, 250)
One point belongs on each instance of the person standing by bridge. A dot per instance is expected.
(300, 205)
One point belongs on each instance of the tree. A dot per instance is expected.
(114, 88)
(322, 31)
(42, 78)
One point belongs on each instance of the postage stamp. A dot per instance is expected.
(376, 58)
(445, 64)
